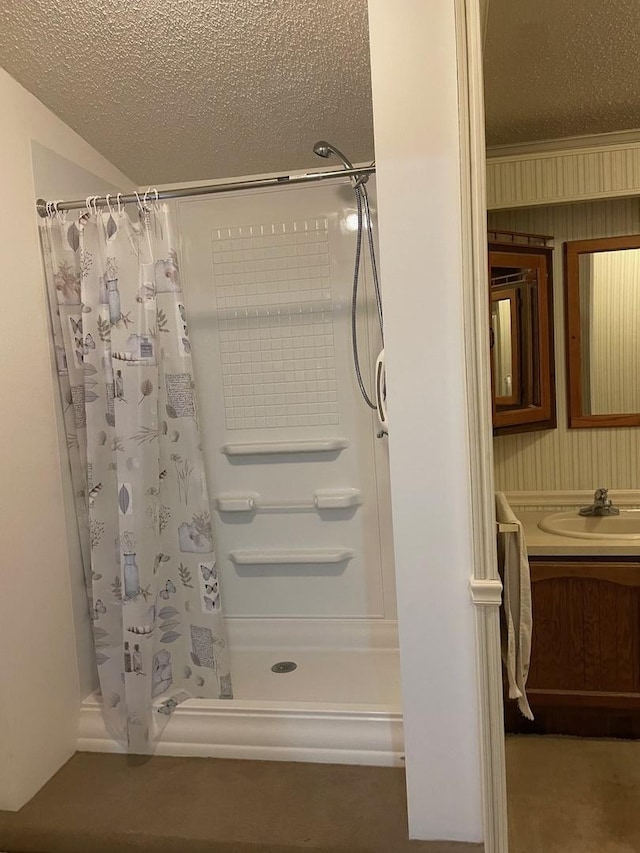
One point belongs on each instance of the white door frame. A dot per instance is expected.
(429, 135)
(486, 588)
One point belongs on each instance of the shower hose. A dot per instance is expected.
(364, 216)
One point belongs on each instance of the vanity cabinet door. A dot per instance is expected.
(584, 677)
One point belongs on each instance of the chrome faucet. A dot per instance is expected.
(601, 505)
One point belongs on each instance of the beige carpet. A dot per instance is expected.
(570, 795)
(112, 804)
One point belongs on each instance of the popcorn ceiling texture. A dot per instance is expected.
(178, 90)
(557, 68)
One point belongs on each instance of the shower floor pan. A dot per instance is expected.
(338, 706)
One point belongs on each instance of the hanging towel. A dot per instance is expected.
(516, 579)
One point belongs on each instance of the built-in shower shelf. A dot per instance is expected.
(311, 556)
(269, 448)
(322, 499)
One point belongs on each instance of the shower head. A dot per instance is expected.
(326, 149)
(322, 149)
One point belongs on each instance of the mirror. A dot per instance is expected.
(521, 333)
(504, 332)
(603, 315)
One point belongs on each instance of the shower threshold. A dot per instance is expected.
(309, 714)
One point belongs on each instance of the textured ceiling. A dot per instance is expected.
(557, 68)
(177, 90)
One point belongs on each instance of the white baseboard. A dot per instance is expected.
(278, 731)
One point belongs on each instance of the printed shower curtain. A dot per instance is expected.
(124, 363)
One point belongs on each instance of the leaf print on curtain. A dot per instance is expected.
(126, 382)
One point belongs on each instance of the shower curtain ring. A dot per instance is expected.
(140, 208)
(118, 197)
(108, 199)
(49, 209)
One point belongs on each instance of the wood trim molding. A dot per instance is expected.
(622, 573)
(582, 698)
(486, 592)
(547, 174)
(587, 142)
(485, 581)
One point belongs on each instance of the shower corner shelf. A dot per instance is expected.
(268, 448)
(306, 556)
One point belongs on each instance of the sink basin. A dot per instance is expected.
(623, 526)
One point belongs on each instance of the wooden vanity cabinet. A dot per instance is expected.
(584, 677)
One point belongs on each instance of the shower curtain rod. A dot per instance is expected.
(43, 207)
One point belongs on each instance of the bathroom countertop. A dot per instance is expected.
(543, 544)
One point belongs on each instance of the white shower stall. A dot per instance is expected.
(336, 621)
(297, 471)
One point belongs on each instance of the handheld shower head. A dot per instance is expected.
(326, 149)
(322, 149)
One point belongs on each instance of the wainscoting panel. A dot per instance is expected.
(552, 177)
(563, 459)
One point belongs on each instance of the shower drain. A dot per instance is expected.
(284, 666)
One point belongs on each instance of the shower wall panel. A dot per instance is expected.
(297, 477)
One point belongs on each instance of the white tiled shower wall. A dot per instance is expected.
(275, 319)
(268, 278)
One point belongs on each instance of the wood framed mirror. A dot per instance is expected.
(602, 290)
(521, 332)
(505, 346)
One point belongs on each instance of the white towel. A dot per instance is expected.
(516, 580)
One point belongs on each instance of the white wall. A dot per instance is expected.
(39, 684)
(413, 56)
(563, 458)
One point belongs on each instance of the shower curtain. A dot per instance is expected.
(123, 358)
